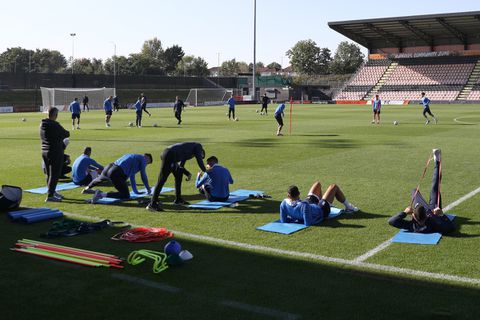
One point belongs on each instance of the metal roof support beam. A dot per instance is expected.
(420, 34)
(387, 36)
(355, 37)
(454, 31)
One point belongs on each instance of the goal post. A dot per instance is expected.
(208, 97)
(62, 97)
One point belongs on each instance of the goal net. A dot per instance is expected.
(208, 97)
(62, 97)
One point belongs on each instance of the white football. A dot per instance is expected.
(130, 124)
(395, 122)
(226, 114)
(23, 119)
(155, 125)
(236, 119)
(257, 111)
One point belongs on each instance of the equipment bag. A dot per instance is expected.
(10, 197)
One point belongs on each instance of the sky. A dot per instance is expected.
(216, 30)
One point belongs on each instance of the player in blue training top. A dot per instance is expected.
(231, 107)
(376, 106)
(85, 169)
(315, 208)
(279, 117)
(214, 183)
(107, 106)
(74, 108)
(118, 172)
(426, 108)
(138, 112)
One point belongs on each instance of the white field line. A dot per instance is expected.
(387, 243)
(369, 266)
(228, 303)
(464, 122)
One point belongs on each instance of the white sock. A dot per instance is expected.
(347, 204)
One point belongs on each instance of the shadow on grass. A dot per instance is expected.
(459, 222)
(219, 283)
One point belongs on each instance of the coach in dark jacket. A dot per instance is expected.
(173, 161)
(52, 135)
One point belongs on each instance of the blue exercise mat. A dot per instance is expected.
(214, 205)
(60, 187)
(133, 196)
(289, 228)
(248, 193)
(404, 236)
(283, 228)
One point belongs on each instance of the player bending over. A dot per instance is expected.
(279, 117)
(315, 208)
(426, 217)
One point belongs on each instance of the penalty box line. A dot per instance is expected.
(305, 255)
(387, 243)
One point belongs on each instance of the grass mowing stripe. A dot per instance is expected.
(387, 243)
(146, 283)
(353, 263)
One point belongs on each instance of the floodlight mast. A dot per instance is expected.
(254, 71)
(73, 49)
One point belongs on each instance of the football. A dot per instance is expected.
(395, 122)
(130, 124)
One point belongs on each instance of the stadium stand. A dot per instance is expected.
(436, 54)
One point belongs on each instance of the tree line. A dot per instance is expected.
(306, 58)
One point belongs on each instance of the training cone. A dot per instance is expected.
(185, 255)
(172, 247)
(174, 260)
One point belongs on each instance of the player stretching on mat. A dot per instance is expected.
(376, 106)
(214, 183)
(118, 172)
(264, 104)
(74, 108)
(426, 217)
(279, 117)
(174, 158)
(107, 106)
(85, 169)
(426, 108)
(315, 208)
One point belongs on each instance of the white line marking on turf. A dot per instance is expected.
(370, 266)
(464, 122)
(260, 310)
(146, 283)
(387, 243)
(228, 303)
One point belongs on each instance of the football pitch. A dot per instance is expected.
(345, 268)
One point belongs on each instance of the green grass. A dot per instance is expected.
(376, 166)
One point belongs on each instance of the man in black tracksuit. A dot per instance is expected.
(264, 103)
(178, 108)
(52, 135)
(173, 161)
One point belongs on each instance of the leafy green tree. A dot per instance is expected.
(347, 58)
(48, 61)
(275, 65)
(15, 60)
(192, 66)
(307, 58)
(122, 66)
(171, 57)
(259, 65)
(230, 68)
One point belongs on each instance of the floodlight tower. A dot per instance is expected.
(73, 49)
(254, 71)
(114, 68)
